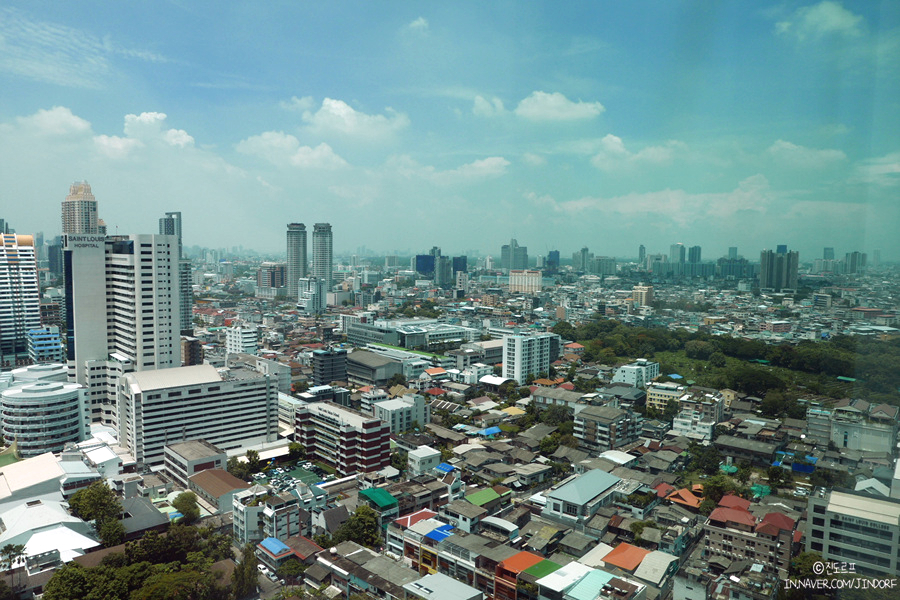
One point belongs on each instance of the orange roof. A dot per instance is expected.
(574, 345)
(733, 515)
(663, 489)
(435, 371)
(684, 497)
(521, 561)
(626, 557)
(780, 520)
(567, 386)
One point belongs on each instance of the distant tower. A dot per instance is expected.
(694, 254)
(171, 225)
(732, 253)
(296, 256)
(79, 210)
(828, 254)
(677, 253)
(322, 257)
(642, 254)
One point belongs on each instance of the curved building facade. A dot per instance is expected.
(43, 416)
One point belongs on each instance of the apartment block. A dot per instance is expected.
(345, 439)
(601, 428)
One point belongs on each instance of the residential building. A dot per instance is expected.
(258, 512)
(402, 414)
(20, 303)
(513, 256)
(182, 460)
(297, 266)
(271, 275)
(322, 258)
(311, 295)
(217, 487)
(329, 365)
(526, 282)
(171, 225)
(853, 527)
(345, 439)
(122, 311)
(422, 460)
(693, 425)
(79, 211)
(579, 498)
(528, 354)
(733, 533)
(601, 428)
(45, 346)
(639, 373)
(778, 270)
(660, 394)
(242, 339)
(230, 409)
(437, 586)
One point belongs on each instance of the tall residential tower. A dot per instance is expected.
(79, 210)
(322, 257)
(171, 225)
(296, 257)
(20, 303)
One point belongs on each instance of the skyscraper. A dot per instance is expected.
(513, 256)
(779, 270)
(171, 225)
(79, 210)
(694, 254)
(676, 253)
(20, 304)
(296, 256)
(122, 311)
(828, 254)
(322, 258)
(642, 254)
(732, 253)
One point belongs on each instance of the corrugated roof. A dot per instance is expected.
(274, 546)
(583, 489)
(626, 557)
(441, 533)
(521, 561)
(482, 497)
(587, 587)
(382, 498)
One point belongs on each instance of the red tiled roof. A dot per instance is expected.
(435, 391)
(664, 489)
(780, 520)
(732, 501)
(567, 386)
(626, 557)
(733, 515)
(684, 497)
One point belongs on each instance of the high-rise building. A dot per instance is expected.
(779, 270)
(329, 366)
(296, 256)
(423, 264)
(642, 295)
(642, 254)
(271, 275)
(311, 295)
(677, 253)
(122, 311)
(347, 440)
(513, 256)
(79, 210)
(553, 260)
(45, 346)
(855, 262)
(460, 264)
(20, 302)
(322, 258)
(526, 282)
(171, 225)
(732, 253)
(694, 254)
(828, 254)
(581, 260)
(525, 355)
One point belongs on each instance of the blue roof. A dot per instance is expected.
(444, 468)
(441, 533)
(490, 431)
(274, 546)
(675, 376)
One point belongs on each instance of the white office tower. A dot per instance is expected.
(228, 408)
(79, 210)
(311, 296)
(122, 311)
(20, 302)
(322, 258)
(241, 339)
(296, 256)
(527, 354)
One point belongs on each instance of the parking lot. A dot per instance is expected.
(283, 479)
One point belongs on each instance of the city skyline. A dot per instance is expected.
(596, 125)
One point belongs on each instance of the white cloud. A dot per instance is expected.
(419, 25)
(59, 54)
(487, 108)
(58, 121)
(614, 156)
(114, 146)
(485, 168)
(300, 104)
(148, 126)
(820, 20)
(280, 148)
(336, 116)
(883, 171)
(792, 155)
(541, 106)
(535, 160)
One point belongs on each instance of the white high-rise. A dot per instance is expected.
(322, 257)
(79, 210)
(296, 256)
(171, 225)
(122, 311)
(528, 354)
(20, 304)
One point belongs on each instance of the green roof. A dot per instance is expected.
(542, 569)
(482, 497)
(381, 498)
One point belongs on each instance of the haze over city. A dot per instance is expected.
(461, 125)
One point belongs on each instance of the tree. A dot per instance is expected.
(397, 379)
(96, 502)
(253, 461)
(111, 532)
(6, 592)
(717, 486)
(238, 468)
(291, 569)
(245, 574)
(717, 359)
(361, 527)
(399, 461)
(186, 504)
(556, 415)
(296, 451)
(743, 473)
(705, 459)
(549, 445)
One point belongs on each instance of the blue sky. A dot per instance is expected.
(407, 125)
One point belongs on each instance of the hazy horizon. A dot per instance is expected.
(407, 126)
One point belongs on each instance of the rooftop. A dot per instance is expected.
(178, 377)
(585, 488)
